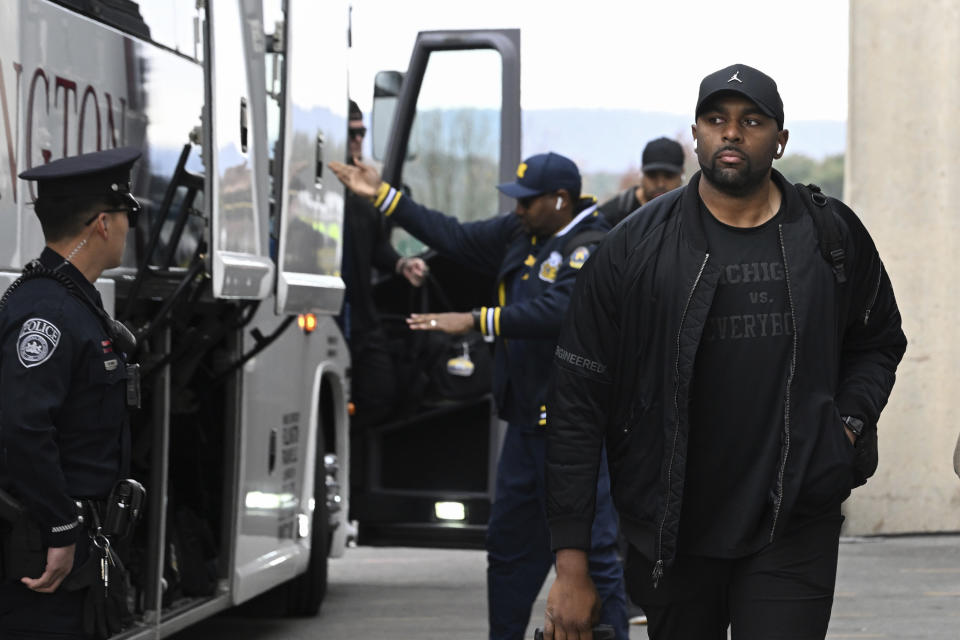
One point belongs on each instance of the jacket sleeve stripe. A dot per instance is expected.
(65, 527)
(381, 194)
(496, 321)
(393, 202)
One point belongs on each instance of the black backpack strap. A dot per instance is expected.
(825, 219)
(582, 239)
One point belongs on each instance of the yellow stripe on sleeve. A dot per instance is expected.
(393, 206)
(381, 194)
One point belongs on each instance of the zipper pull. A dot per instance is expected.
(657, 573)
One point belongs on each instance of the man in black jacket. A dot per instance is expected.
(366, 244)
(661, 171)
(736, 377)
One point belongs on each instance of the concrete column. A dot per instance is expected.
(903, 179)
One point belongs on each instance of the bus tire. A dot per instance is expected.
(305, 593)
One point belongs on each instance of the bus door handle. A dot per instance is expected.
(244, 129)
(272, 452)
(318, 178)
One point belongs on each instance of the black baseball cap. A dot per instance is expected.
(543, 173)
(663, 154)
(100, 173)
(748, 82)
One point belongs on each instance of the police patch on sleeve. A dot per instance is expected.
(37, 341)
(579, 256)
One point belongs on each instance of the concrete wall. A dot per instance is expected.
(903, 179)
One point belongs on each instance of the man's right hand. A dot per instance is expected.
(573, 606)
(360, 178)
(59, 564)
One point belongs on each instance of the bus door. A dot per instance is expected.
(281, 447)
(313, 132)
(447, 131)
(236, 153)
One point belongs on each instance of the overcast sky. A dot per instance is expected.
(632, 54)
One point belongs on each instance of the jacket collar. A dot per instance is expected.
(580, 217)
(55, 262)
(692, 223)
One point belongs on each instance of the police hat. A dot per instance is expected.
(101, 173)
(543, 173)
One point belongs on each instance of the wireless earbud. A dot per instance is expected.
(559, 203)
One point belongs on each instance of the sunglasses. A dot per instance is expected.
(357, 132)
(133, 213)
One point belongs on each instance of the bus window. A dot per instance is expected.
(175, 24)
(455, 141)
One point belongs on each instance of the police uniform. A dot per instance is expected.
(535, 277)
(64, 431)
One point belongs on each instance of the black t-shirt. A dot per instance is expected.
(737, 395)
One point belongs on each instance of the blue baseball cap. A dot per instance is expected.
(543, 173)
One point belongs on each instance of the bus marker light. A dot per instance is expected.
(450, 511)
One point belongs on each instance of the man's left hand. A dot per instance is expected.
(452, 323)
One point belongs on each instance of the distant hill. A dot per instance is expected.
(612, 140)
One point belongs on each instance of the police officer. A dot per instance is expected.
(63, 420)
(535, 253)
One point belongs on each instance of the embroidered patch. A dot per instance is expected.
(110, 365)
(579, 256)
(548, 269)
(37, 341)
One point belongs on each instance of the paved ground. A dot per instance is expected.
(906, 588)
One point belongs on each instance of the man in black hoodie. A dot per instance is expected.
(736, 371)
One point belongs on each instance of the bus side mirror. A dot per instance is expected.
(386, 95)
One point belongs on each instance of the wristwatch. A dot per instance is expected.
(854, 424)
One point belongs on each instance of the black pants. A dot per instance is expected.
(784, 591)
(27, 614)
(374, 379)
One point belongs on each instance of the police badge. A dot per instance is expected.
(37, 341)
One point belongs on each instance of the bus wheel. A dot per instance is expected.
(305, 592)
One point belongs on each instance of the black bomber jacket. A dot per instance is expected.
(624, 363)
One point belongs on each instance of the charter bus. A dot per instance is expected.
(231, 280)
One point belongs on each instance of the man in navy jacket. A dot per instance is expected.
(535, 253)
